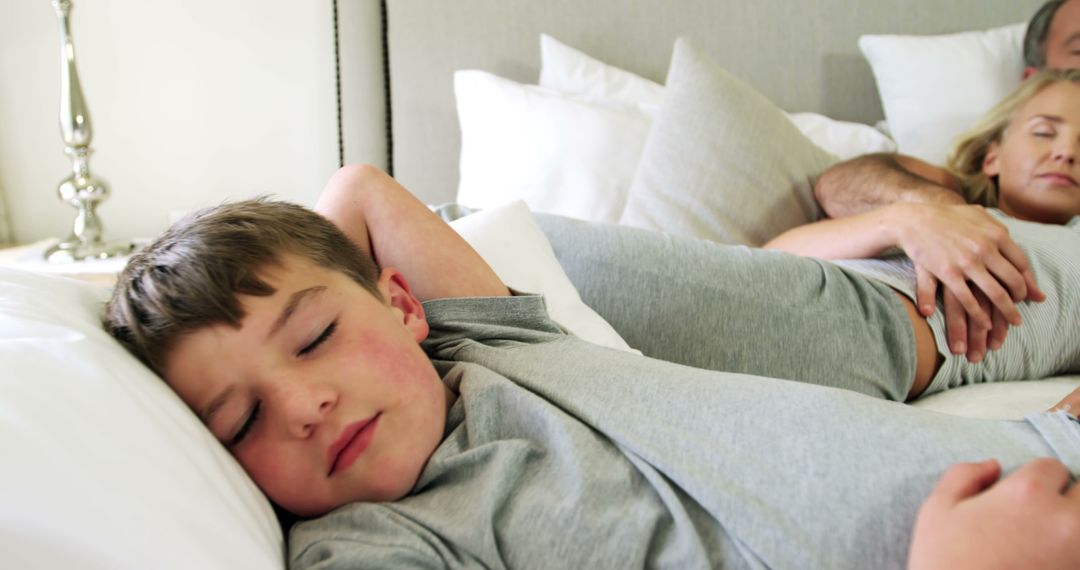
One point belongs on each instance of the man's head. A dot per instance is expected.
(298, 354)
(1053, 37)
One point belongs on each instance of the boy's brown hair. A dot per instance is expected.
(190, 277)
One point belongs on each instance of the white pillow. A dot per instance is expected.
(511, 242)
(569, 70)
(722, 162)
(842, 139)
(933, 88)
(103, 466)
(559, 153)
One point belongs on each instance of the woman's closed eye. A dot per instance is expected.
(326, 334)
(249, 423)
(1044, 132)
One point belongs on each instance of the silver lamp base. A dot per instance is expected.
(81, 189)
(72, 250)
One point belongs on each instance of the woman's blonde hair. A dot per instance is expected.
(969, 154)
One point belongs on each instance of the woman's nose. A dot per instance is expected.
(1067, 151)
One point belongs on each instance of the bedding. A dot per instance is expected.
(561, 154)
(571, 144)
(104, 467)
(569, 70)
(933, 88)
(722, 162)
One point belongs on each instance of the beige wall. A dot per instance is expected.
(192, 103)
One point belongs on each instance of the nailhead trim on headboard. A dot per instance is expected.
(337, 89)
(386, 82)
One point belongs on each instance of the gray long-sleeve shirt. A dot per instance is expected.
(562, 454)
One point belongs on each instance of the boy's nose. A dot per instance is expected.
(305, 408)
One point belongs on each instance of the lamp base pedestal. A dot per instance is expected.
(73, 249)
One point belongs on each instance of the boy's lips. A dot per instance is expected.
(351, 444)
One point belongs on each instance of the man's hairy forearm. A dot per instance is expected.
(868, 182)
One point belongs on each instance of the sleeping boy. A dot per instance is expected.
(384, 383)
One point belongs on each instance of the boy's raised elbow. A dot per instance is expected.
(358, 176)
(349, 186)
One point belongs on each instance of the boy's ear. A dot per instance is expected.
(395, 291)
(991, 166)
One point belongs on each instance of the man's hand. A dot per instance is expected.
(983, 271)
(972, 520)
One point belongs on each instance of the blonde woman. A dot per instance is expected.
(1013, 159)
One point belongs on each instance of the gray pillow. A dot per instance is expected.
(722, 162)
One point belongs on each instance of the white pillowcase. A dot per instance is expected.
(722, 162)
(842, 139)
(104, 467)
(511, 242)
(561, 154)
(933, 88)
(569, 70)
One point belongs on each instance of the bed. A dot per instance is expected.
(105, 468)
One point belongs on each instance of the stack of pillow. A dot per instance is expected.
(707, 155)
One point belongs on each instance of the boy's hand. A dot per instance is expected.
(1026, 520)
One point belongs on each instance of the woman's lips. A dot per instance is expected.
(1059, 178)
(351, 444)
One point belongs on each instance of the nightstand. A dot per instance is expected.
(30, 257)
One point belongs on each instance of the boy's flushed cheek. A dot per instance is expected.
(291, 481)
(397, 363)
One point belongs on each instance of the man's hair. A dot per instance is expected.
(969, 154)
(190, 277)
(1037, 30)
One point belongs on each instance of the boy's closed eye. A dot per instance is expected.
(253, 415)
(323, 337)
(249, 423)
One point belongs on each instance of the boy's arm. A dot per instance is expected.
(399, 231)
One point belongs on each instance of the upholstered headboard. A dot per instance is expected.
(802, 55)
